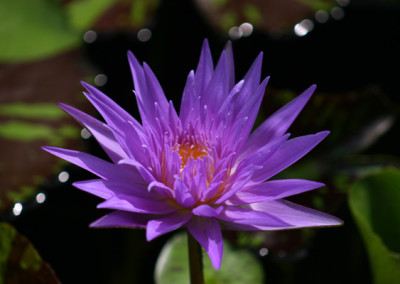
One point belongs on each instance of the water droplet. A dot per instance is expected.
(235, 33)
(100, 80)
(90, 36)
(321, 16)
(304, 27)
(40, 197)
(17, 209)
(144, 35)
(263, 251)
(85, 134)
(246, 28)
(63, 176)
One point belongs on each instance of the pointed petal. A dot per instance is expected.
(95, 187)
(277, 124)
(205, 210)
(88, 162)
(101, 97)
(122, 219)
(138, 204)
(100, 131)
(289, 153)
(231, 65)
(208, 233)
(204, 69)
(245, 216)
(169, 223)
(183, 196)
(218, 88)
(272, 190)
(137, 74)
(296, 215)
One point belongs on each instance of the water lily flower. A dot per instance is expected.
(202, 169)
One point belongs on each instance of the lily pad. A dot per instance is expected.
(173, 265)
(19, 260)
(374, 204)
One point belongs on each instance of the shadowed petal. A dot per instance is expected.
(138, 204)
(289, 153)
(100, 131)
(296, 215)
(99, 96)
(208, 233)
(171, 222)
(122, 219)
(205, 210)
(278, 123)
(246, 216)
(271, 190)
(204, 69)
(91, 163)
(183, 196)
(218, 88)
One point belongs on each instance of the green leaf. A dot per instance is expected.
(19, 260)
(374, 202)
(33, 29)
(83, 14)
(173, 265)
(47, 111)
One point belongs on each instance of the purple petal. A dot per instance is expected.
(208, 233)
(278, 123)
(135, 166)
(161, 189)
(95, 187)
(204, 69)
(169, 223)
(271, 190)
(107, 188)
(230, 64)
(218, 88)
(122, 219)
(91, 163)
(154, 96)
(183, 196)
(289, 153)
(205, 210)
(245, 216)
(100, 131)
(137, 74)
(189, 99)
(138, 204)
(296, 215)
(99, 96)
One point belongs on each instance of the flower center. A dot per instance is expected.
(191, 150)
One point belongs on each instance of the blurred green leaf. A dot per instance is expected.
(33, 29)
(83, 14)
(48, 111)
(374, 202)
(19, 260)
(318, 4)
(26, 131)
(173, 265)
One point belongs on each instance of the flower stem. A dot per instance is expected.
(195, 261)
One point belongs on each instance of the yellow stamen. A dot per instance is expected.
(191, 150)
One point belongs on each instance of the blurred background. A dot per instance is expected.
(349, 48)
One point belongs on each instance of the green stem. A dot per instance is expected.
(195, 261)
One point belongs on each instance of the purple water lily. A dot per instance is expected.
(202, 169)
